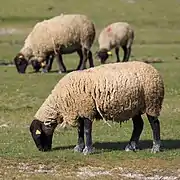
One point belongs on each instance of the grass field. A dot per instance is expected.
(157, 35)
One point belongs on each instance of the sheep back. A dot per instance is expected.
(113, 90)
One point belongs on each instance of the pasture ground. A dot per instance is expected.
(157, 35)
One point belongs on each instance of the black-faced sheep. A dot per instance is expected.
(117, 92)
(115, 35)
(59, 35)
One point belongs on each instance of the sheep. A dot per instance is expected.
(63, 34)
(115, 35)
(116, 92)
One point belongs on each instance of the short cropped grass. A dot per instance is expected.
(157, 35)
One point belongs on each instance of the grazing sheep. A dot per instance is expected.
(119, 34)
(59, 35)
(116, 91)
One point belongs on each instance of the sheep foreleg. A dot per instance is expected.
(137, 130)
(79, 52)
(88, 132)
(90, 57)
(80, 146)
(60, 63)
(85, 56)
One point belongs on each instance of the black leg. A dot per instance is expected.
(80, 146)
(85, 56)
(117, 54)
(127, 52)
(90, 57)
(61, 65)
(137, 130)
(79, 52)
(88, 132)
(50, 62)
(155, 126)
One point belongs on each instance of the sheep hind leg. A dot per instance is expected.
(88, 132)
(155, 126)
(137, 130)
(80, 146)
(117, 54)
(127, 53)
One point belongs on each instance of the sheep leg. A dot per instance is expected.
(88, 132)
(80, 146)
(90, 57)
(85, 56)
(137, 130)
(117, 54)
(155, 126)
(127, 52)
(80, 53)
(50, 62)
(60, 63)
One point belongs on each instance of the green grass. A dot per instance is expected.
(157, 34)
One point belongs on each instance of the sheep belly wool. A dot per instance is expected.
(115, 91)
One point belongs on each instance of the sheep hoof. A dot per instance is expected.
(132, 146)
(88, 150)
(59, 72)
(44, 71)
(155, 148)
(79, 148)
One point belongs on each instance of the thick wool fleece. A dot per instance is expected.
(116, 91)
(61, 33)
(116, 35)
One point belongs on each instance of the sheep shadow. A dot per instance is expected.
(52, 71)
(119, 146)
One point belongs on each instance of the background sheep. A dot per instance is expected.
(59, 35)
(119, 34)
(116, 92)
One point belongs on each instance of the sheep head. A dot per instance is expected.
(42, 133)
(21, 63)
(103, 55)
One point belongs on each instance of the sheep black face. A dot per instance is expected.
(42, 134)
(103, 55)
(21, 63)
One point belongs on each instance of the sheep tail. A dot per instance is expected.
(105, 121)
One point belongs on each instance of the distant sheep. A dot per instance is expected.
(119, 34)
(116, 92)
(59, 35)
